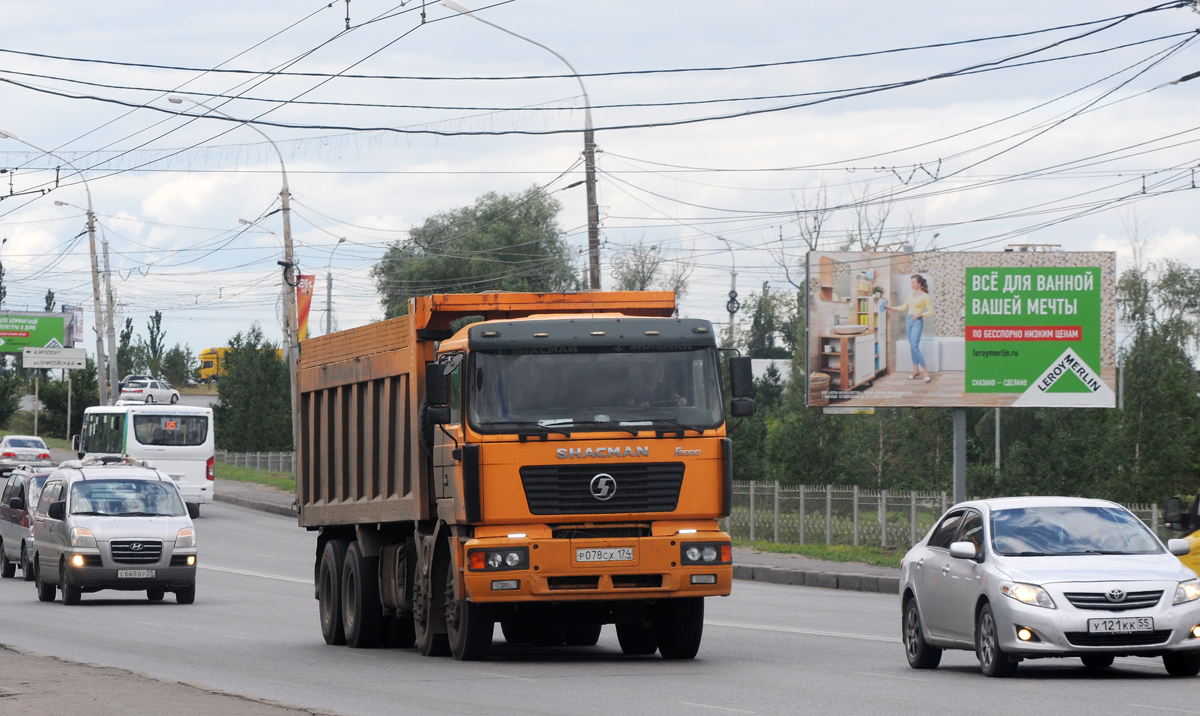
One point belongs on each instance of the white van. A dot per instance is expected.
(178, 439)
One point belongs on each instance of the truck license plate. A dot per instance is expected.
(604, 554)
(135, 574)
(1120, 626)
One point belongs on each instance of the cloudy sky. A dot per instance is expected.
(986, 124)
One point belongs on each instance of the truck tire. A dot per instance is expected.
(636, 639)
(329, 591)
(45, 591)
(583, 634)
(678, 627)
(469, 626)
(428, 610)
(362, 614)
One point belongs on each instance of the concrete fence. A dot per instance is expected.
(271, 461)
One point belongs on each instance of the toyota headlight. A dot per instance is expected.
(1027, 594)
(1188, 591)
(82, 537)
(186, 538)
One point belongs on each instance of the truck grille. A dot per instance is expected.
(1140, 638)
(1099, 601)
(567, 489)
(136, 551)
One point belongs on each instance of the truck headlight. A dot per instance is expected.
(1188, 591)
(705, 553)
(498, 559)
(1027, 594)
(82, 537)
(186, 538)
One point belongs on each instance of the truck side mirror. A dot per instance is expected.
(741, 407)
(57, 510)
(437, 385)
(75, 443)
(1173, 514)
(741, 377)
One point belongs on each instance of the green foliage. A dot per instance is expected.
(49, 301)
(12, 387)
(503, 242)
(179, 365)
(128, 359)
(253, 411)
(84, 394)
(280, 480)
(154, 345)
(832, 553)
(774, 322)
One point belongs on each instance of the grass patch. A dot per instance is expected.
(56, 443)
(832, 553)
(197, 389)
(281, 480)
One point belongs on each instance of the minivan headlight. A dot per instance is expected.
(186, 538)
(1188, 591)
(1027, 594)
(82, 537)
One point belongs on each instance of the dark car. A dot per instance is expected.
(17, 504)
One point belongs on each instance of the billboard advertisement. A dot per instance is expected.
(962, 329)
(20, 330)
(304, 291)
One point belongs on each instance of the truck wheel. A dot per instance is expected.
(401, 634)
(582, 634)
(8, 568)
(678, 627)
(329, 591)
(45, 591)
(469, 626)
(362, 614)
(636, 639)
(71, 593)
(428, 611)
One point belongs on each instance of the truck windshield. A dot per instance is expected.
(580, 391)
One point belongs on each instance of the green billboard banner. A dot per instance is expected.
(1035, 331)
(31, 330)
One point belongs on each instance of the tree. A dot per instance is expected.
(12, 389)
(253, 411)
(84, 394)
(127, 354)
(155, 343)
(178, 365)
(503, 242)
(645, 268)
(3, 288)
(773, 320)
(49, 300)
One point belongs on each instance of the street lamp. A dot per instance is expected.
(91, 227)
(291, 327)
(110, 312)
(732, 304)
(589, 147)
(329, 288)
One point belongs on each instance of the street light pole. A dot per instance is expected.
(91, 227)
(329, 289)
(732, 304)
(291, 325)
(589, 147)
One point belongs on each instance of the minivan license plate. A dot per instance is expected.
(1120, 626)
(135, 573)
(604, 554)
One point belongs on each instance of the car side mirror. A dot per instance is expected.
(741, 407)
(741, 377)
(1179, 547)
(16, 503)
(963, 550)
(1173, 514)
(437, 385)
(57, 510)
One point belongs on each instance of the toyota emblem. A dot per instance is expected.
(1115, 595)
(603, 486)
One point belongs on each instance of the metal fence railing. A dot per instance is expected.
(271, 461)
(847, 515)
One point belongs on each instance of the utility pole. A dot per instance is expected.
(732, 305)
(329, 288)
(113, 380)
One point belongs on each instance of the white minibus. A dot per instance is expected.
(178, 439)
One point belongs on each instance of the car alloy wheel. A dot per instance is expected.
(992, 659)
(918, 651)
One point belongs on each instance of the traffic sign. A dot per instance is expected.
(69, 358)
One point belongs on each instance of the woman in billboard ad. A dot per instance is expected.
(919, 307)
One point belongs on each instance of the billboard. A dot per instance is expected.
(20, 330)
(304, 291)
(961, 329)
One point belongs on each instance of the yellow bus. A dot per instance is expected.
(212, 363)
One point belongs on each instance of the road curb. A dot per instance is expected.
(260, 505)
(823, 580)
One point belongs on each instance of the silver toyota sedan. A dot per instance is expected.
(1035, 577)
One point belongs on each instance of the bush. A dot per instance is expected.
(12, 389)
(84, 394)
(253, 411)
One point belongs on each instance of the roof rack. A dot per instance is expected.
(109, 460)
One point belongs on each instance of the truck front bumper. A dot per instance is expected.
(553, 570)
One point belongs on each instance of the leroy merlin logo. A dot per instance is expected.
(1078, 386)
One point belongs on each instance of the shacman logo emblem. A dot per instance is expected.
(603, 486)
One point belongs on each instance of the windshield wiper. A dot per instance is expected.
(1029, 554)
(142, 514)
(674, 421)
(92, 512)
(613, 426)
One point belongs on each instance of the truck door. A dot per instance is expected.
(445, 467)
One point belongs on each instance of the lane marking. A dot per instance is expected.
(1160, 708)
(892, 676)
(247, 573)
(809, 632)
(718, 708)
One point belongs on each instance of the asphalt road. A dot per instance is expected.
(769, 649)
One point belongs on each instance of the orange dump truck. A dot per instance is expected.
(556, 464)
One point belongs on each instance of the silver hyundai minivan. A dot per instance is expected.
(113, 523)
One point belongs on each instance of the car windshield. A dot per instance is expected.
(178, 430)
(35, 489)
(125, 498)
(1078, 530)
(578, 390)
(33, 443)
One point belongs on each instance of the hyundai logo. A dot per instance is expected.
(603, 486)
(1115, 595)
(136, 546)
